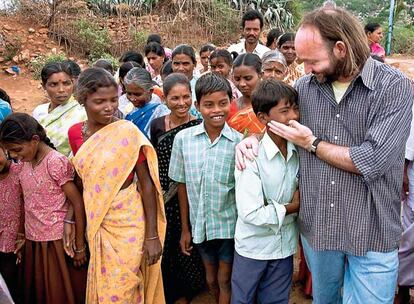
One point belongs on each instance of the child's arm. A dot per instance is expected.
(76, 200)
(21, 239)
(152, 246)
(185, 241)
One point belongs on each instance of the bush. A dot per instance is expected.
(37, 64)
(114, 61)
(12, 48)
(403, 40)
(139, 39)
(94, 40)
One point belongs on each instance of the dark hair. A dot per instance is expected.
(154, 38)
(4, 96)
(272, 36)
(166, 68)
(186, 50)
(73, 67)
(222, 53)
(104, 64)
(52, 68)
(371, 27)
(90, 80)
(133, 56)
(268, 93)
(234, 55)
(210, 83)
(252, 15)
(155, 48)
(207, 48)
(285, 38)
(373, 56)
(21, 127)
(126, 67)
(172, 80)
(249, 59)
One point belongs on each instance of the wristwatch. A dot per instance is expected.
(314, 145)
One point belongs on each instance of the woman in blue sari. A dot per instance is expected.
(147, 106)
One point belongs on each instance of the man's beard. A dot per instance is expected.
(333, 73)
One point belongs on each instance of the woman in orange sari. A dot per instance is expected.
(125, 226)
(247, 72)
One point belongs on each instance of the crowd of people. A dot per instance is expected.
(154, 182)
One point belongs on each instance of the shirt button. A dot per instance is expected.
(333, 182)
(337, 115)
(332, 205)
(336, 137)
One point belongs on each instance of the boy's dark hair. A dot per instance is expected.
(154, 38)
(155, 48)
(4, 96)
(272, 36)
(175, 79)
(133, 56)
(252, 15)
(52, 68)
(104, 64)
(285, 38)
(371, 27)
(90, 80)
(210, 83)
(222, 53)
(250, 60)
(268, 93)
(21, 127)
(207, 48)
(73, 67)
(184, 49)
(166, 69)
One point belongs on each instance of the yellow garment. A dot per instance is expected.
(118, 272)
(339, 89)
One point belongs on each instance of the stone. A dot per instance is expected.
(2, 59)
(25, 55)
(43, 31)
(7, 27)
(32, 30)
(15, 59)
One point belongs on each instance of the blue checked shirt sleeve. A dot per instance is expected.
(387, 132)
(176, 170)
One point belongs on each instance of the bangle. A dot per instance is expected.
(80, 250)
(69, 221)
(152, 238)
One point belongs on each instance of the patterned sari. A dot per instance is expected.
(246, 122)
(115, 218)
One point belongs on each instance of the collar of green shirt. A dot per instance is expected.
(271, 149)
(226, 132)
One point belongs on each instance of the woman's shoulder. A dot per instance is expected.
(40, 111)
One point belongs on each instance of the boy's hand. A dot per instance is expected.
(294, 205)
(185, 243)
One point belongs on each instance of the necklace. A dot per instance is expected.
(169, 120)
(86, 133)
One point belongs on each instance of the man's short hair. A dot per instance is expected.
(210, 83)
(252, 15)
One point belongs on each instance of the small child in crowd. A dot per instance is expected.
(205, 52)
(11, 207)
(267, 200)
(46, 179)
(202, 162)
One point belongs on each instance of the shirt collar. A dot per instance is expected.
(271, 149)
(226, 131)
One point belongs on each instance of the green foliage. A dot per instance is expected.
(111, 7)
(139, 38)
(403, 40)
(226, 22)
(37, 64)
(94, 41)
(114, 61)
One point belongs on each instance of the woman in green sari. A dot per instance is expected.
(183, 275)
(63, 111)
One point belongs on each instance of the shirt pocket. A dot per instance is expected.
(224, 170)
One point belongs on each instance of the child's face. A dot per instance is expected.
(214, 108)
(59, 87)
(101, 105)
(274, 70)
(204, 58)
(23, 151)
(179, 100)
(245, 78)
(283, 113)
(3, 160)
(182, 63)
(219, 66)
(155, 61)
(137, 95)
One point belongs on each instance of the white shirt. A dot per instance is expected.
(240, 48)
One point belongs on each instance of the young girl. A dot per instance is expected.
(205, 52)
(183, 275)
(155, 55)
(125, 226)
(147, 106)
(247, 72)
(46, 179)
(11, 206)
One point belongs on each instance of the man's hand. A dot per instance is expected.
(249, 148)
(296, 133)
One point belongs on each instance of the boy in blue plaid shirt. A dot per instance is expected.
(202, 162)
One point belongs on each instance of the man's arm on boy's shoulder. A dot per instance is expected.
(250, 199)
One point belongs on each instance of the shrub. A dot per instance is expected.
(114, 61)
(37, 64)
(403, 40)
(139, 38)
(12, 48)
(94, 41)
